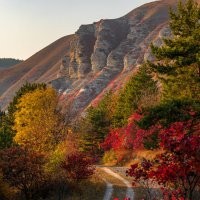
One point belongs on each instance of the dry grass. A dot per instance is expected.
(88, 190)
(117, 158)
(147, 154)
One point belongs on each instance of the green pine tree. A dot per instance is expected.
(178, 60)
(6, 134)
(95, 126)
(140, 90)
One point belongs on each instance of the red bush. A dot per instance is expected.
(78, 167)
(179, 166)
(130, 137)
(22, 168)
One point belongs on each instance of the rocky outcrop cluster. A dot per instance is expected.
(103, 55)
(113, 44)
(64, 68)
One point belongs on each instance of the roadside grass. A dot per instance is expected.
(147, 154)
(92, 189)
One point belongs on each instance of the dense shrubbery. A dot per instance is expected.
(37, 156)
(22, 169)
(78, 167)
(176, 170)
(173, 122)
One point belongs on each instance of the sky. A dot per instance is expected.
(27, 26)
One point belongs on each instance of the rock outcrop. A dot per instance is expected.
(98, 57)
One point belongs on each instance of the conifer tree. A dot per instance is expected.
(95, 126)
(140, 86)
(6, 134)
(178, 60)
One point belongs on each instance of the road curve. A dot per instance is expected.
(109, 190)
(129, 192)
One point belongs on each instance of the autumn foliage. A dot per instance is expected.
(38, 124)
(22, 168)
(177, 170)
(158, 109)
(130, 137)
(78, 167)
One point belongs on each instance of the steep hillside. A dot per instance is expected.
(41, 67)
(98, 57)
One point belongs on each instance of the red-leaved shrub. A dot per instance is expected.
(78, 167)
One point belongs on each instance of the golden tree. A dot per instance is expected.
(38, 123)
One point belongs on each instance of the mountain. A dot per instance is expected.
(41, 67)
(98, 57)
(8, 62)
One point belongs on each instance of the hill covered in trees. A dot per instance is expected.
(8, 62)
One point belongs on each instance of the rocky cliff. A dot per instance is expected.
(98, 57)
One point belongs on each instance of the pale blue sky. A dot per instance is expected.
(26, 26)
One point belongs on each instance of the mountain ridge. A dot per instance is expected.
(97, 58)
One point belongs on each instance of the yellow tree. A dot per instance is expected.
(38, 123)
